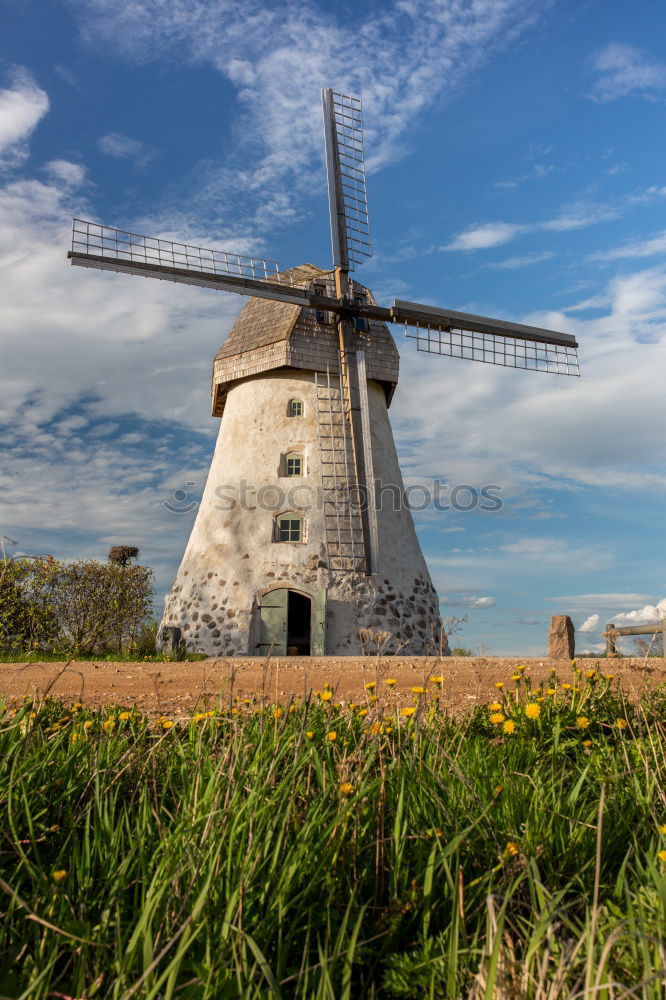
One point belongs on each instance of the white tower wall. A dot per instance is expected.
(232, 561)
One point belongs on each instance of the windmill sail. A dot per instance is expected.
(109, 249)
(491, 341)
(345, 168)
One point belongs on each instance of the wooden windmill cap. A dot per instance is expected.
(269, 335)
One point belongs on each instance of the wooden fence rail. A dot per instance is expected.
(612, 633)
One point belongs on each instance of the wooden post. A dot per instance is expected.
(611, 648)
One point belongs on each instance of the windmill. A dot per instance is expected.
(303, 543)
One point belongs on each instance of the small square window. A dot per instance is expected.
(294, 465)
(290, 529)
(295, 408)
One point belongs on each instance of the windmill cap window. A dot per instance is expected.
(295, 408)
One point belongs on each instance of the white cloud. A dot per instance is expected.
(22, 106)
(590, 624)
(625, 71)
(402, 57)
(513, 263)
(466, 601)
(579, 215)
(654, 245)
(71, 174)
(645, 615)
(121, 146)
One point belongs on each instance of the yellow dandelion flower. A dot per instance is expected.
(516, 677)
(87, 724)
(277, 713)
(582, 722)
(621, 723)
(346, 788)
(372, 699)
(499, 685)
(587, 744)
(662, 829)
(407, 712)
(124, 716)
(326, 695)
(77, 706)
(310, 735)
(74, 737)
(328, 686)
(532, 711)
(497, 718)
(391, 681)
(511, 849)
(210, 714)
(521, 666)
(247, 701)
(167, 724)
(108, 724)
(551, 691)
(495, 707)
(566, 687)
(362, 713)
(608, 677)
(375, 728)
(61, 874)
(370, 686)
(590, 674)
(418, 690)
(437, 680)
(662, 856)
(509, 727)
(332, 737)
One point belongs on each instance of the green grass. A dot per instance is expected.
(246, 854)
(41, 656)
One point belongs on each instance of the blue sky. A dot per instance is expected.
(516, 168)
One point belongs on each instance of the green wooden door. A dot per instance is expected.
(318, 626)
(273, 623)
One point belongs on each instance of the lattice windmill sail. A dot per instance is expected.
(302, 385)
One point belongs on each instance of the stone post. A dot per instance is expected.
(561, 642)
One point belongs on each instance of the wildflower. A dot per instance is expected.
(496, 718)
(418, 690)
(499, 685)
(61, 874)
(516, 677)
(78, 705)
(391, 681)
(108, 724)
(74, 737)
(408, 712)
(521, 666)
(437, 680)
(372, 699)
(247, 701)
(582, 722)
(509, 727)
(590, 674)
(587, 744)
(210, 714)
(167, 723)
(551, 691)
(539, 699)
(608, 677)
(532, 711)
(511, 849)
(375, 728)
(662, 856)
(326, 695)
(566, 687)
(370, 686)
(346, 788)
(277, 713)
(124, 716)
(362, 713)
(662, 829)
(621, 723)
(332, 737)
(495, 707)
(87, 724)
(310, 735)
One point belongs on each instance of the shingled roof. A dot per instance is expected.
(270, 334)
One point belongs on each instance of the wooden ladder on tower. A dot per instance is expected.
(342, 519)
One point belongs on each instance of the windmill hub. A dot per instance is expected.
(303, 543)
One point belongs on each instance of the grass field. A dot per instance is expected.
(310, 850)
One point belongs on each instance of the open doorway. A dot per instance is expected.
(299, 613)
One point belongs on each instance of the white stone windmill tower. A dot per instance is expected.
(303, 538)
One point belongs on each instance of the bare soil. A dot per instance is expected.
(177, 689)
